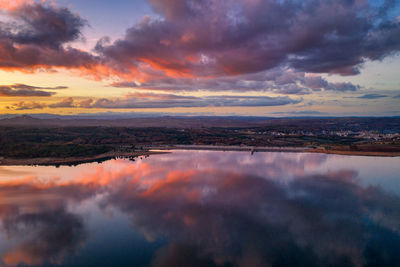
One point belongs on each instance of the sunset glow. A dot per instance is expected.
(237, 57)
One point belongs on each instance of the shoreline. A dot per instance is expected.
(74, 160)
(164, 149)
(280, 149)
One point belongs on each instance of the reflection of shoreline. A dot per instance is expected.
(76, 160)
(338, 150)
(165, 149)
(202, 209)
(357, 153)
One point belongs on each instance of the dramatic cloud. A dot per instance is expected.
(27, 90)
(214, 38)
(233, 45)
(189, 45)
(35, 37)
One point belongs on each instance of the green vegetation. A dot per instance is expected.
(32, 150)
(32, 142)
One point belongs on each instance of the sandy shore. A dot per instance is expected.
(75, 160)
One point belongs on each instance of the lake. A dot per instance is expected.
(204, 208)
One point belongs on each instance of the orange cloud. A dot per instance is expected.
(173, 69)
(13, 4)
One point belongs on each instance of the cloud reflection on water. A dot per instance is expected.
(214, 209)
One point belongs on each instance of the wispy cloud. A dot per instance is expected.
(148, 100)
(278, 80)
(371, 96)
(65, 103)
(300, 112)
(24, 105)
(27, 90)
(170, 101)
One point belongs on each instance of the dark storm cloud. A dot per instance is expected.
(214, 38)
(37, 35)
(27, 90)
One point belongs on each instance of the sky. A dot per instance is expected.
(200, 57)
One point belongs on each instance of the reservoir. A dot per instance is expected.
(204, 208)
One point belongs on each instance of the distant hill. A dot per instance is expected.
(357, 123)
(170, 122)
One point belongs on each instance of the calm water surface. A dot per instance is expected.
(198, 208)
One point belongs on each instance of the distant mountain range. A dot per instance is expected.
(173, 122)
(378, 123)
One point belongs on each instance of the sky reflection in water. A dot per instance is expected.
(202, 208)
